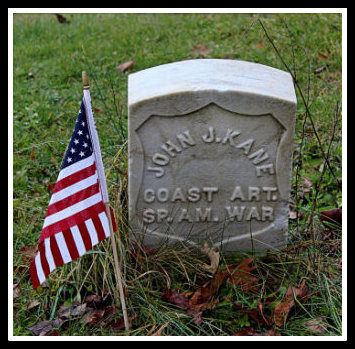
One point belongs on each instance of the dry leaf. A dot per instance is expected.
(94, 301)
(94, 317)
(292, 215)
(282, 310)
(173, 297)
(31, 305)
(323, 56)
(331, 216)
(119, 325)
(44, 327)
(242, 276)
(53, 333)
(256, 314)
(54, 161)
(305, 185)
(28, 253)
(320, 69)
(61, 18)
(200, 50)
(214, 257)
(33, 154)
(124, 67)
(16, 291)
(200, 300)
(75, 310)
(316, 325)
(159, 332)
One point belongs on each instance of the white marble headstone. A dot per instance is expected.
(210, 153)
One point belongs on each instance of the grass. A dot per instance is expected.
(48, 58)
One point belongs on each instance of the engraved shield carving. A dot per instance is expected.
(210, 175)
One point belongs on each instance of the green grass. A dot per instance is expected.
(48, 58)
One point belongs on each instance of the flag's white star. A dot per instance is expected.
(72, 150)
(82, 123)
(80, 132)
(87, 136)
(81, 153)
(85, 145)
(79, 111)
(76, 141)
(69, 160)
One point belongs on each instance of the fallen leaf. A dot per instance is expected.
(75, 310)
(44, 327)
(53, 333)
(61, 18)
(28, 253)
(259, 44)
(93, 318)
(214, 257)
(305, 185)
(282, 310)
(201, 50)
(323, 56)
(141, 253)
(16, 291)
(54, 161)
(255, 314)
(160, 330)
(119, 324)
(200, 300)
(124, 67)
(109, 316)
(216, 282)
(31, 304)
(331, 216)
(250, 331)
(241, 275)
(33, 153)
(175, 298)
(316, 325)
(94, 300)
(105, 317)
(320, 69)
(292, 215)
(231, 55)
(20, 269)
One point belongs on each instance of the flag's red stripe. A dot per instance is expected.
(73, 251)
(70, 221)
(58, 260)
(85, 236)
(99, 228)
(33, 274)
(71, 245)
(73, 199)
(44, 262)
(75, 177)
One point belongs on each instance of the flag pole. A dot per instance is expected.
(102, 182)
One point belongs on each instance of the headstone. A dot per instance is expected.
(210, 154)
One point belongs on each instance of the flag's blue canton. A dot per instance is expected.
(80, 146)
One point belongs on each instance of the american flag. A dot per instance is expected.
(76, 218)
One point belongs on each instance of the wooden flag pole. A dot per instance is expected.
(102, 180)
